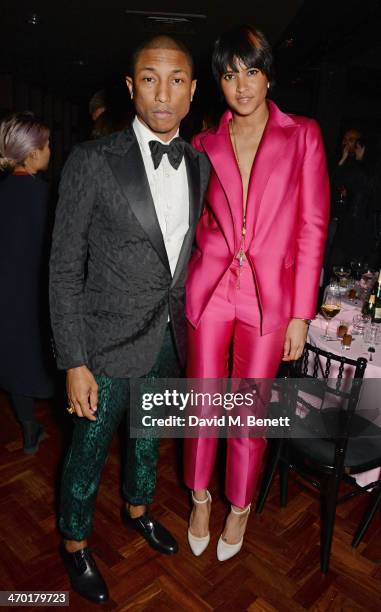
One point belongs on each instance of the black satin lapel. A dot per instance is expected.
(130, 173)
(193, 175)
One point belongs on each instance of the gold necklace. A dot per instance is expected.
(241, 255)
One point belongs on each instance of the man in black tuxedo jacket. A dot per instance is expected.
(124, 228)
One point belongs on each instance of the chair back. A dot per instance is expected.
(325, 390)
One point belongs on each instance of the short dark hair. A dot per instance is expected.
(161, 41)
(245, 44)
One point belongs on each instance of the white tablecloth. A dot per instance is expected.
(357, 349)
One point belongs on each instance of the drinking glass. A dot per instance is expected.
(331, 306)
(342, 273)
(357, 268)
(360, 323)
(342, 329)
(368, 278)
(346, 342)
(371, 339)
(372, 334)
(352, 288)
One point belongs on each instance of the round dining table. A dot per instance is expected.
(358, 347)
(370, 397)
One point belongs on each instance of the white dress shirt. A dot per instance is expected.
(169, 189)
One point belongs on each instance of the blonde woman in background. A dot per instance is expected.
(24, 324)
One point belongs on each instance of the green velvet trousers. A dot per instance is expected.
(90, 445)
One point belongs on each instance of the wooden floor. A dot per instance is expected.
(278, 568)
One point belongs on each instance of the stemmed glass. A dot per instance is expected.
(342, 272)
(368, 278)
(331, 306)
(370, 338)
(356, 268)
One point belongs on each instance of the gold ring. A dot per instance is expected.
(70, 409)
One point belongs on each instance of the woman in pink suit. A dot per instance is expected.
(253, 279)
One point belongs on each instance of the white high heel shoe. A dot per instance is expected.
(198, 545)
(227, 551)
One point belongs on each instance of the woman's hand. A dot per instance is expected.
(295, 339)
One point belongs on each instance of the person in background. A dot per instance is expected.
(97, 104)
(254, 275)
(346, 172)
(103, 126)
(375, 251)
(350, 148)
(25, 365)
(112, 116)
(351, 224)
(207, 121)
(106, 124)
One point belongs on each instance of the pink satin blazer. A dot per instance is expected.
(286, 218)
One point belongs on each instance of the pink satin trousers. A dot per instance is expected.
(230, 326)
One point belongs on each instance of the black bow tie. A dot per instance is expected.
(175, 152)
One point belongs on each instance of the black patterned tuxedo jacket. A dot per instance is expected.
(111, 287)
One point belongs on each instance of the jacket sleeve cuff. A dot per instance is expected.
(69, 364)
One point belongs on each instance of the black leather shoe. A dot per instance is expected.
(33, 433)
(84, 575)
(157, 536)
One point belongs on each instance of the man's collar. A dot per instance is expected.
(144, 135)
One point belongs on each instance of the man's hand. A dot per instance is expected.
(295, 339)
(82, 391)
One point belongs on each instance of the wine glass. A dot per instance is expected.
(353, 289)
(369, 277)
(342, 273)
(331, 306)
(342, 195)
(371, 339)
(357, 268)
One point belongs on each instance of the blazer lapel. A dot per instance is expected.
(220, 151)
(279, 129)
(193, 175)
(128, 168)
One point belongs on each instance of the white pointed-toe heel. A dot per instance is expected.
(198, 545)
(226, 551)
